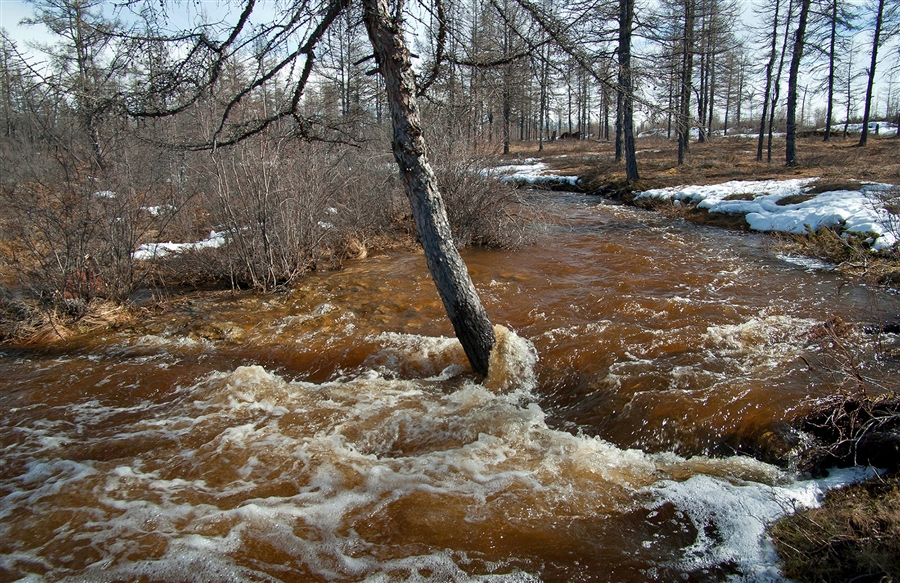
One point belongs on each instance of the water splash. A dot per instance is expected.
(511, 364)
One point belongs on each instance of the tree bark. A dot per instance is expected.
(790, 150)
(470, 321)
(626, 89)
(864, 134)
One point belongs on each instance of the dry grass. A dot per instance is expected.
(854, 536)
(28, 322)
(839, 162)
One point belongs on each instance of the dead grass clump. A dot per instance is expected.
(853, 536)
(735, 222)
(827, 244)
(35, 323)
(741, 196)
(794, 199)
(820, 186)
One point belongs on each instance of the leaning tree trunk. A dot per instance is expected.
(464, 308)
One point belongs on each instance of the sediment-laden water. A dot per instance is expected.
(335, 433)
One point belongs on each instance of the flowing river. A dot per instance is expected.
(335, 433)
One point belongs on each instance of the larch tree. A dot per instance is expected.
(770, 66)
(834, 22)
(289, 40)
(686, 86)
(626, 87)
(796, 57)
(884, 26)
(87, 69)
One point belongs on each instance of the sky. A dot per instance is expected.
(13, 11)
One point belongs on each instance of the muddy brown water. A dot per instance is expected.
(335, 434)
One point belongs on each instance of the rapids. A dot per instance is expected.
(335, 433)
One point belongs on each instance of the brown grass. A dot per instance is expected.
(794, 199)
(835, 163)
(854, 536)
(28, 322)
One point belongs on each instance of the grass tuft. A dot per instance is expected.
(854, 536)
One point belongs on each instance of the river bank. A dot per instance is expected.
(841, 205)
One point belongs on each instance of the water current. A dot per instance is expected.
(335, 433)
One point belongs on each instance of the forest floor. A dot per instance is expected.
(720, 160)
(855, 534)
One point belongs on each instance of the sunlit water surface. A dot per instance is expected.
(336, 434)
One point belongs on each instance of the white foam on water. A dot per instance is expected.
(763, 341)
(427, 356)
(809, 263)
(368, 477)
(731, 516)
(511, 364)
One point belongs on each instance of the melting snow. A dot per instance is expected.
(857, 211)
(151, 250)
(531, 171)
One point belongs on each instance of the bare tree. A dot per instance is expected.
(88, 67)
(203, 71)
(882, 17)
(770, 65)
(626, 87)
(791, 129)
(461, 301)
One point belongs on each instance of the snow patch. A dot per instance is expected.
(857, 211)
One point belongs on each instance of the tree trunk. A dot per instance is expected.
(777, 80)
(829, 110)
(464, 308)
(620, 104)
(768, 91)
(790, 151)
(864, 134)
(626, 17)
(684, 118)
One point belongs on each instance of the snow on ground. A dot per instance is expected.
(882, 127)
(153, 250)
(860, 212)
(531, 172)
(856, 211)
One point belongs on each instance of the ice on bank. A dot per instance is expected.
(762, 203)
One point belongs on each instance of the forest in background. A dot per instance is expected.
(125, 132)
